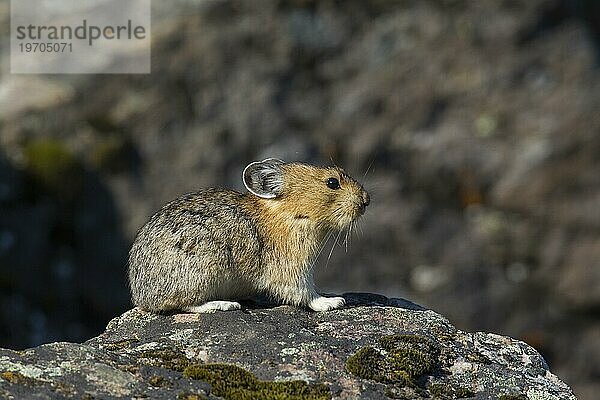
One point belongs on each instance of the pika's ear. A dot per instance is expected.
(264, 178)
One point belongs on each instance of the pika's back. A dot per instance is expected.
(197, 209)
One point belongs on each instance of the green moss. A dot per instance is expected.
(17, 378)
(235, 383)
(362, 364)
(406, 358)
(446, 391)
(174, 360)
(54, 167)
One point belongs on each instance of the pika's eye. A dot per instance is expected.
(333, 183)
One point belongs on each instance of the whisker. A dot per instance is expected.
(322, 246)
(359, 225)
(369, 167)
(346, 238)
(332, 247)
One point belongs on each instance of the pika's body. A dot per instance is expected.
(208, 249)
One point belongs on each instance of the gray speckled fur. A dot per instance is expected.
(192, 251)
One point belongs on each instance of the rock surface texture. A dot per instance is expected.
(375, 348)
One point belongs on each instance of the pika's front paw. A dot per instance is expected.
(326, 303)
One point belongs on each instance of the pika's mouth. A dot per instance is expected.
(361, 209)
(350, 212)
(362, 205)
(355, 212)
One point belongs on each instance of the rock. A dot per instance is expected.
(374, 348)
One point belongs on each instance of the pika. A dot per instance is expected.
(209, 249)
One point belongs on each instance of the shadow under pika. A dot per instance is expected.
(353, 299)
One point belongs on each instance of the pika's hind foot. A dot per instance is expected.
(212, 306)
(326, 303)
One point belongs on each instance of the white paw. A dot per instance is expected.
(326, 303)
(212, 306)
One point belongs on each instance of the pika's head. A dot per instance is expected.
(327, 197)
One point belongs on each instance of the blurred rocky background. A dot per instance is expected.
(474, 124)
